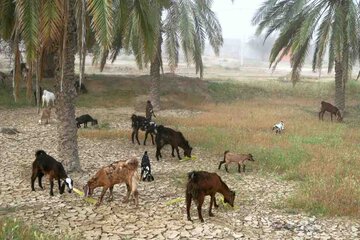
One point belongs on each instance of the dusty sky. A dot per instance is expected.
(235, 18)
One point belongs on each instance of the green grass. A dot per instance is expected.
(14, 229)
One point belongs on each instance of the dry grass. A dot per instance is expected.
(105, 134)
(321, 155)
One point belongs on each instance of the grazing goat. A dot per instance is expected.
(240, 159)
(82, 88)
(201, 184)
(149, 111)
(46, 165)
(48, 98)
(84, 119)
(175, 139)
(143, 124)
(328, 107)
(45, 116)
(115, 173)
(41, 92)
(146, 168)
(279, 127)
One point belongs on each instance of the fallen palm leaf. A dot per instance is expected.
(187, 158)
(174, 201)
(87, 199)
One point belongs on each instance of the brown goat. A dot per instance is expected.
(201, 184)
(328, 107)
(45, 116)
(115, 173)
(240, 159)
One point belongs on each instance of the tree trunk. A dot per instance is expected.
(16, 72)
(29, 87)
(155, 76)
(65, 95)
(339, 87)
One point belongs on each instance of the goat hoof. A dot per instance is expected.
(189, 219)
(211, 215)
(202, 220)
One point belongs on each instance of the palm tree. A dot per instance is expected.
(332, 25)
(187, 25)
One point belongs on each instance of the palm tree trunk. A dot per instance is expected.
(339, 87)
(155, 76)
(65, 96)
(29, 82)
(16, 72)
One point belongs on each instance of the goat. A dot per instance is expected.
(84, 119)
(48, 97)
(328, 107)
(149, 111)
(279, 127)
(115, 173)
(44, 164)
(237, 158)
(143, 124)
(201, 184)
(41, 92)
(175, 139)
(82, 87)
(146, 168)
(45, 116)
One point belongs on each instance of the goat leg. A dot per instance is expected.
(40, 175)
(132, 136)
(146, 135)
(101, 196)
(110, 198)
(178, 154)
(172, 151)
(211, 204)
(188, 205)
(137, 137)
(126, 198)
(33, 177)
(51, 187)
(239, 168)
(221, 163)
(244, 168)
(215, 204)
(226, 168)
(152, 138)
(200, 203)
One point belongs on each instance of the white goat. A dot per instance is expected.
(279, 127)
(48, 97)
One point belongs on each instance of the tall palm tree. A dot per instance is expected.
(334, 27)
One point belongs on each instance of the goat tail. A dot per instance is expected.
(133, 163)
(39, 152)
(226, 152)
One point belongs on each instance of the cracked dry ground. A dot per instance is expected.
(254, 217)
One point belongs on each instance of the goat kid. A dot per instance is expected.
(146, 168)
(240, 159)
(84, 119)
(201, 184)
(328, 107)
(46, 165)
(115, 173)
(48, 98)
(279, 127)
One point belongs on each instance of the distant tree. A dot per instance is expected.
(333, 25)
(261, 46)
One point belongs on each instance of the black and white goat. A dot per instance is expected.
(84, 119)
(46, 165)
(146, 168)
(279, 127)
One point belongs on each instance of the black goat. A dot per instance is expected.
(40, 95)
(143, 124)
(175, 139)
(84, 119)
(46, 165)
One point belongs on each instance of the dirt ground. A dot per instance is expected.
(161, 212)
